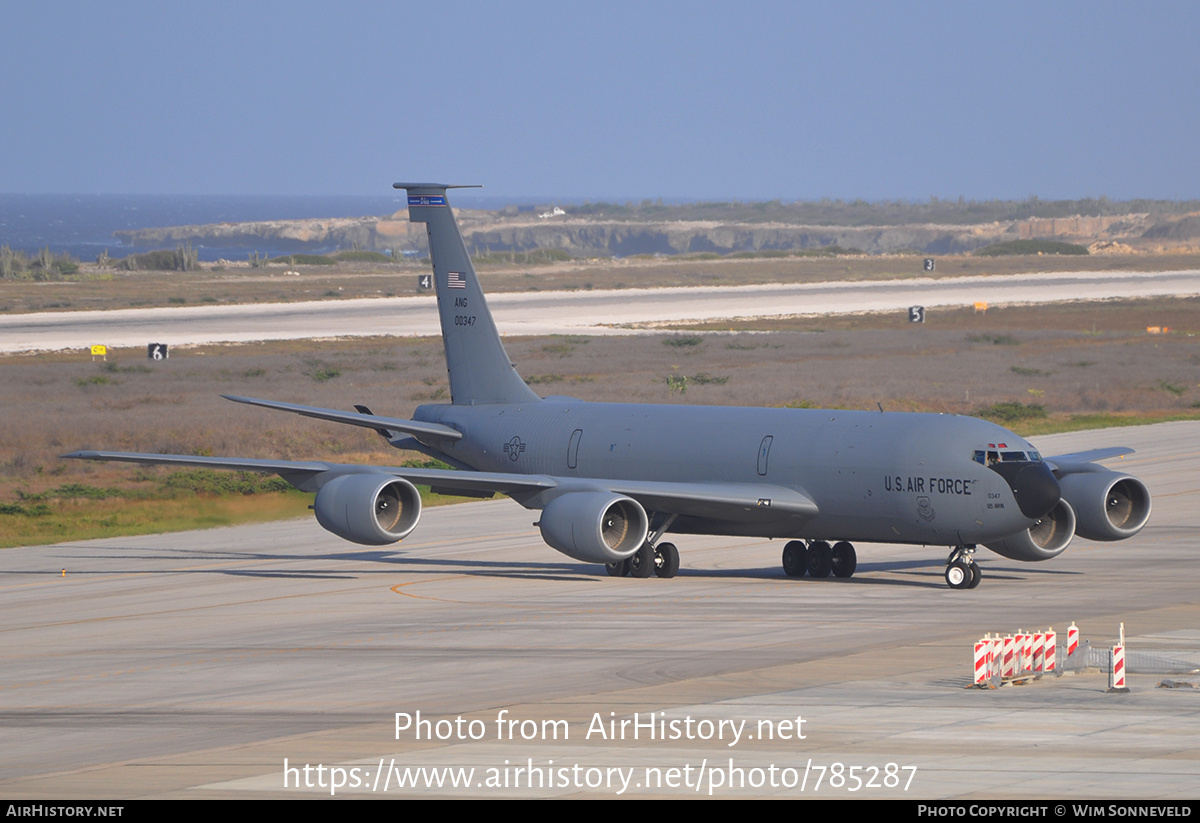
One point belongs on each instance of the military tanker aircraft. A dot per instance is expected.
(613, 479)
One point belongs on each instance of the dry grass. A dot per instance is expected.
(94, 288)
(1092, 359)
(77, 520)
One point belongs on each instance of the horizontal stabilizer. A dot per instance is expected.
(419, 430)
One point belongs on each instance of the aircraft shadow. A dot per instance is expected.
(924, 573)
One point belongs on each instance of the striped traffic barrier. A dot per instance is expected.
(1116, 674)
(983, 660)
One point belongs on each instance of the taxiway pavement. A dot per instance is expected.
(568, 312)
(195, 664)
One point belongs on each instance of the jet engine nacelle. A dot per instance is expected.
(370, 508)
(595, 527)
(1110, 505)
(1045, 539)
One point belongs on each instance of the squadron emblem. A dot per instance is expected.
(924, 509)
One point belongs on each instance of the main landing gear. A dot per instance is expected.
(961, 570)
(819, 559)
(661, 560)
(653, 558)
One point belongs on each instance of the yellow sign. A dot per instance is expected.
(980, 306)
(99, 351)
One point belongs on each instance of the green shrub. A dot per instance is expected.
(521, 258)
(1030, 247)
(1011, 412)
(305, 260)
(210, 481)
(362, 256)
(680, 341)
(677, 382)
(995, 339)
(157, 260)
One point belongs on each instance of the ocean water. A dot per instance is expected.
(83, 224)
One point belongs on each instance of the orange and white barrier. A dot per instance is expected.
(1026, 645)
(1016, 656)
(984, 658)
(1116, 677)
(1019, 656)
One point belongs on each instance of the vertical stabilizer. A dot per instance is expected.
(480, 371)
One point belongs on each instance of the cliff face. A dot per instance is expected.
(495, 232)
(295, 235)
(623, 239)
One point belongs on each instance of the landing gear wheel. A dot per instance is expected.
(641, 562)
(958, 575)
(976, 576)
(845, 559)
(820, 559)
(666, 560)
(795, 559)
(619, 568)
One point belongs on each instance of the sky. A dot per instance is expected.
(603, 100)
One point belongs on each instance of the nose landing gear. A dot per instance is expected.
(961, 570)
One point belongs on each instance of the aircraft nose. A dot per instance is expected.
(1033, 485)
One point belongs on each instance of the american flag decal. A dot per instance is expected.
(456, 280)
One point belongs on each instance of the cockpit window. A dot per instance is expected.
(991, 456)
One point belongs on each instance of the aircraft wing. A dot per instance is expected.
(718, 501)
(422, 431)
(1077, 462)
(311, 475)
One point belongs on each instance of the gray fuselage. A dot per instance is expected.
(875, 477)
